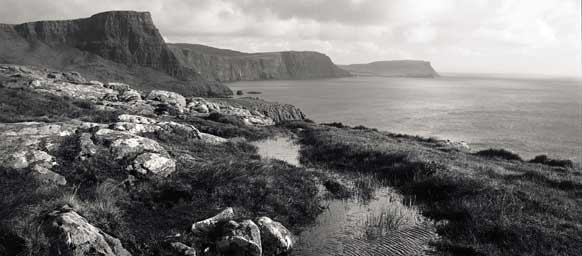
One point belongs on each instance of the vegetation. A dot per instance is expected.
(20, 105)
(491, 206)
(543, 159)
(499, 153)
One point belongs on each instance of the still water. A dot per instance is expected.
(353, 226)
(527, 116)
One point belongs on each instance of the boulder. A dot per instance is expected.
(204, 226)
(142, 155)
(87, 147)
(120, 87)
(153, 163)
(70, 234)
(276, 239)
(74, 78)
(169, 98)
(240, 239)
(182, 249)
(129, 96)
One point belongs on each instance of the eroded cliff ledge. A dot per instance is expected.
(227, 65)
(120, 45)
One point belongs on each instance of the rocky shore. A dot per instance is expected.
(90, 167)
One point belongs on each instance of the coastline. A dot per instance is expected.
(145, 169)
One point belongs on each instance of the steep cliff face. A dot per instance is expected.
(228, 65)
(123, 42)
(396, 68)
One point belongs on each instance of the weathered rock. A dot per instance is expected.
(129, 96)
(70, 234)
(145, 156)
(153, 163)
(183, 250)
(211, 139)
(170, 98)
(120, 87)
(87, 147)
(241, 239)
(27, 146)
(276, 239)
(204, 226)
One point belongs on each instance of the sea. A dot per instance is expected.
(529, 116)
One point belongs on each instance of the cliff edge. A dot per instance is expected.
(228, 65)
(120, 45)
(394, 68)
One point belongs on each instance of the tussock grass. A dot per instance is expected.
(390, 219)
(491, 203)
(20, 105)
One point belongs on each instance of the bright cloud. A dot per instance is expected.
(492, 36)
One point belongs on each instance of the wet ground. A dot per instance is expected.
(384, 225)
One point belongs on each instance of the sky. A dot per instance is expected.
(538, 37)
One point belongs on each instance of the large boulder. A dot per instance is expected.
(276, 239)
(143, 155)
(169, 98)
(240, 239)
(70, 234)
(182, 249)
(203, 227)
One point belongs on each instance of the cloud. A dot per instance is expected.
(512, 36)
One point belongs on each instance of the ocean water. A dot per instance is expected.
(527, 116)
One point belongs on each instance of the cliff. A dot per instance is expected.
(122, 45)
(396, 68)
(227, 65)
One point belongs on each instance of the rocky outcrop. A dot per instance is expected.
(276, 238)
(205, 226)
(229, 237)
(125, 44)
(242, 238)
(227, 65)
(122, 97)
(396, 68)
(276, 111)
(70, 234)
(30, 146)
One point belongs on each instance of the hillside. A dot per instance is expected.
(395, 68)
(122, 46)
(227, 65)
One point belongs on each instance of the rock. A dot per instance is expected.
(276, 239)
(183, 250)
(74, 77)
(211, 139)
(68, 233)
(87, 147)
(204, 226)
(153, 163)
(120, 87)
(129, 96)
(142, 155)
(125, 145)
(170, 98)
(242, 239)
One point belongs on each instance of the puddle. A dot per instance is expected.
(380, 226)
(281, 148)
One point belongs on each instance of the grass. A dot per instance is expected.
(389, 219)
(492, 204)
(21, 105)
(499, 153)
(543, 159)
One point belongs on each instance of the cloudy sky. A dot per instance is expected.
(469, 36)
